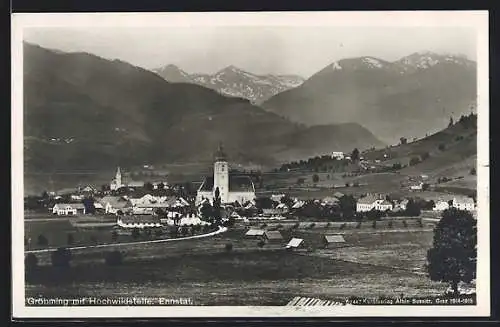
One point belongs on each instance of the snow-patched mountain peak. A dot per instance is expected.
(372, 62)
(235, 82)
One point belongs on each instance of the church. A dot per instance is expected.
(232, 188)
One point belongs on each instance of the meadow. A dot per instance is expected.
(372, 264)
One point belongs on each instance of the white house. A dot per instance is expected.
(366, 203)
(277, 197)
(232, 188)
(463, 203)
(417, 187)
(383, 205)
(68, 209)
(338, 155)
(441, 206)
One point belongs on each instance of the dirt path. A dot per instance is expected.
(220, 230)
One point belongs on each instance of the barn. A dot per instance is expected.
(333, 241)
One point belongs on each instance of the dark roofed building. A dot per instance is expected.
(273, 236)
(334, 241)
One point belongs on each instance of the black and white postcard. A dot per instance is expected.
(258, 164)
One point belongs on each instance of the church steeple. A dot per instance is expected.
(220, 155)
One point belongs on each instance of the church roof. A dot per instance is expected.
(236, 184)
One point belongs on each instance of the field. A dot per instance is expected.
(373, 263)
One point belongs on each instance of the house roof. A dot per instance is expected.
(135, 184)
(294, 242)
(330, 199)
(385, 203)
(140, 219)
(369, 199)
(338, 195)
(334, 238)
(71, 205)
(464, 200)
(236, 184)
(114, 201)
(273, 235)
(255, 232)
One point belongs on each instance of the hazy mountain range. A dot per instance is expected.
(234, 82)
(410, 97)
(85, 112)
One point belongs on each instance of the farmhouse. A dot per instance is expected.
(417, 187)
(463, 203)
(273, 236)
(295, 243)
(113, 204)
(277, 197)
(441, 206)
(333, 241)
(138, 221)
(232, 188)
(366, 203)
(67, 209)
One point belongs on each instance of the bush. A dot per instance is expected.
(342, 226)
(442, 147)
(389, 224)
(328, 224)
(261, 244)
(312, 225)
(405, 224)
(414, 161)
(279, 226)
(114, 258)
(374, 224)
(228, 247)
(473, 171)
(61, 258)
(158, 232)
(421, 223)
(263, 226)
(358, 225)
(296, 225)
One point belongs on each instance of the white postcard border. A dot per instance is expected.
(473, 19)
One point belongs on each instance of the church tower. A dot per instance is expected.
(221, 175)
(118, 178)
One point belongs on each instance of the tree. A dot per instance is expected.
(261, 243)
(473, 171)
(206, 211)
(453, 255)
(148, 186)
(425, 186)
(414, 161)
(216, 210)
(355, 155)
(315, 178)
(442, 147)
(89, 205)
(61, 257)
(412, 209)
(451, 122)
(347, 205)
(229, 247)
(300, 181)
(403, 140)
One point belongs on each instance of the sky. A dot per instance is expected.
(301, 50)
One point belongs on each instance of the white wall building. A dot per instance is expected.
(232, 188)
(68, 209)
(463, 203)
(441, 206)
(338, 155)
